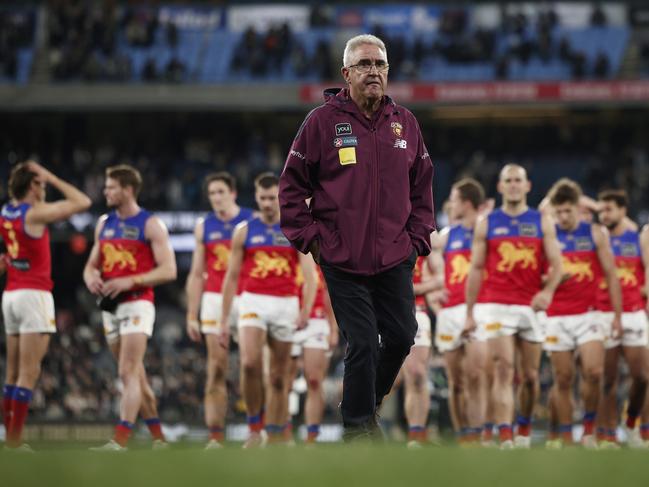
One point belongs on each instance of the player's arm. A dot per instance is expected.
(607, 261)
(434, 270)
(91, 272)
(476, 271)
(644, 248)
(231, 279)
(156, 233)
(74, 201)
(195, 283)
(309, 288)
(543, 298)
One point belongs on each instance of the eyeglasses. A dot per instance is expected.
(365, 66)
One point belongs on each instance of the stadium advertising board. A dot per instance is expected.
(505, 92)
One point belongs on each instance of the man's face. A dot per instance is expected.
(268, 201)
(220, 195)
(456, 205)
(366, 84)
(610, 215)
(115, 193)
(513, 185)
(567, 215)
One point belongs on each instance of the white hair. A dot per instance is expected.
(355, 42)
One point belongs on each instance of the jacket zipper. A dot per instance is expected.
(375, 196)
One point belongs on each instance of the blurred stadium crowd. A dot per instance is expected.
(104, 41)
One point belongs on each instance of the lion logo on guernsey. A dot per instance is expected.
(222, 254)
(273, 263)
(459, 269)
(579, 269)
(117, 255)
(513, 254)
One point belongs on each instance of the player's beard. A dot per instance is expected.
(611, 226)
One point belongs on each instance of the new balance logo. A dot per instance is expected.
(401, 144)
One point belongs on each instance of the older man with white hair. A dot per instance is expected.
(361, 160)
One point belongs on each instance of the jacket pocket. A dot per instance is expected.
(332, 248)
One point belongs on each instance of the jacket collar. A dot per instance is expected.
(339, 98)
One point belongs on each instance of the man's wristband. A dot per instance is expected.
(138, 280)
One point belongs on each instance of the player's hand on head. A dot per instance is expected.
(116, 286)
(193, 330)
(39, 170)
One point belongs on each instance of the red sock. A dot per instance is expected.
(155, 428)
(123, 432)
(217, 434)
(6, 408)
(631, 420)
(488, 432)
(19, 410)
(505, 432)
(589, 427)
(601, 434)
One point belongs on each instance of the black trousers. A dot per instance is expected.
(366, 307)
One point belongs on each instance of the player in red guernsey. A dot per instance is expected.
(512, 245)
(269, 308)
(27, 303)
(314, 344)
(130, 256)
(209, 263)
(631, 252)
(464, 356)
(571, 324)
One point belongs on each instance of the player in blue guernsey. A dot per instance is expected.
(464, 356)
(512, 244)
(269, 308)
(631, 253)
(130, 256)
(571, 325)
(213, 234)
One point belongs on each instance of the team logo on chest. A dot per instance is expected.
(579, 269)
(459, 269)
(512, 255)
(267, 263)
(222, 255)
(397, 129)
(117, 255)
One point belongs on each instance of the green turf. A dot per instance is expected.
(329, 465)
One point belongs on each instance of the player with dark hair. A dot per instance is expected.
(631, 255)
(571, 325)
(27, 302)
(213, 235)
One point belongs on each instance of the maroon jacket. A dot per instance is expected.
(370, 182)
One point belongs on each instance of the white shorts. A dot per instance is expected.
(450, 323)
(423, 336)
(28, 311)
(634, 329)
(129, 317)
(275, 314)
(211, 304)
(566, 333)
(498, 320)
(315, 335)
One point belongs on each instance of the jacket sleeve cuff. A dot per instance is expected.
(308, 235)
(420, 245)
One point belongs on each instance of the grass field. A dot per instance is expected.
(329, 465)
